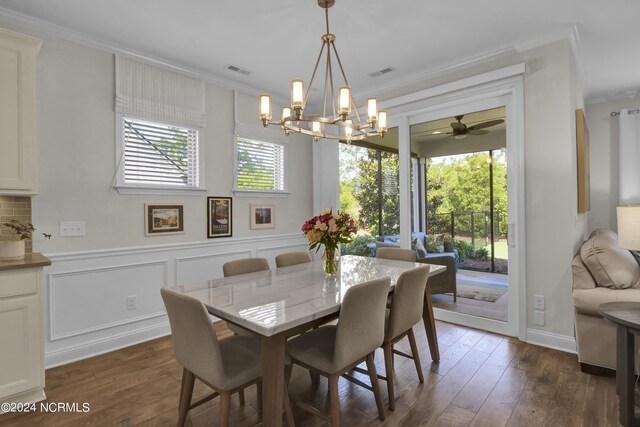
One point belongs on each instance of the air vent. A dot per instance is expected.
(381, 72)
(237, 69)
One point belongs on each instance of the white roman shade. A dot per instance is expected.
(149, 92)
(629, 157)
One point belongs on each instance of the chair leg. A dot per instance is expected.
(287, 408)
(416, 355)
(241, 396)
(287, 373)
(315, 378)
(333, 400)
(373, 376)
(225, 408)
(186, 391)
(259, 397)
(388, 366)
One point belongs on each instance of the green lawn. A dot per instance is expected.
(502, 250)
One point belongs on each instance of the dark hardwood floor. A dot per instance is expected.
(483, 379)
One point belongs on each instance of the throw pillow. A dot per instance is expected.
(609, 264)
(434, 243)
(420, 249)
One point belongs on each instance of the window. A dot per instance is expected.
(157, 154)
(259, 166)
(160, 119)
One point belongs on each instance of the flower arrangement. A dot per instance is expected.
(329, 229)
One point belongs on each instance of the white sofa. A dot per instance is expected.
(602, 272)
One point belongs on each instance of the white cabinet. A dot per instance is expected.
(18, 142)
(21, 339)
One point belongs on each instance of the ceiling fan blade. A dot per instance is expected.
(478, 132)
(486, 124)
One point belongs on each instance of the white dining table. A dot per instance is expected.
(280, 303)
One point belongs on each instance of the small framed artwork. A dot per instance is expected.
(219, 217)
(163, 219)
(263, 216)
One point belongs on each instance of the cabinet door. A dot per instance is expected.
(18, 162)
(21, 346)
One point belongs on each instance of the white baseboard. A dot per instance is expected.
(550, 340)
(106, 345)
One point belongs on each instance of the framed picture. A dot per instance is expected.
(163, 219)
(582, 149)
(219, 217)
(263, 216)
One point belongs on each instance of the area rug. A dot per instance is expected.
(481, 293)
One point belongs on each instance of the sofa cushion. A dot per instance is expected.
(582, 279)
(586, 301)
(610, 265)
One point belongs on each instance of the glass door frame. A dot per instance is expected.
(503, 87)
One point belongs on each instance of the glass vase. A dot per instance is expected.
(331, 258)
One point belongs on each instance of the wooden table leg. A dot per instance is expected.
(272, 380)
(430, 325)
(626, 371)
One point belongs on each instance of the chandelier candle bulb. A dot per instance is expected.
(265, 108)
(348, 130)
(344, 99)
(297, 93)
(286, 113)
(372, 110)
(382, 122)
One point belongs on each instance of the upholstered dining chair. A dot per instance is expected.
(405, 312)
(397, 254)
(227, 366)
(292, 258)
(333, 350)
(243, 266)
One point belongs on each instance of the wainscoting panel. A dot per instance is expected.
(74, 293)
(200, 268)
(85, 293)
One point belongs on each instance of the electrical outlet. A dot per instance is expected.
(131, 302)
(538, 302)
(538, 317)
(72, 228)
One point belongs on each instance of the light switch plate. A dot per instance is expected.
(538, 302)
(72, 228)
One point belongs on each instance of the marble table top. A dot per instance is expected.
(269, 302)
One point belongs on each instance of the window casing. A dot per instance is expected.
(157, 156)
(259, 166)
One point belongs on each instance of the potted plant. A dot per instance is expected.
(13, 250)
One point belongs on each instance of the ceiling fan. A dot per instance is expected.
(460, 130)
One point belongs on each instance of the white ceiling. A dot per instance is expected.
(278, 40)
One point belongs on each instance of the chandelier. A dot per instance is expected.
(339, 124)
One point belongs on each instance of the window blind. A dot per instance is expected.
(144, 90)
(159, 154)
(260, 165)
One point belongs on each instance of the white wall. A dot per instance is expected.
(87, 286)
(551, 184)
(605, 154)
(77, 160)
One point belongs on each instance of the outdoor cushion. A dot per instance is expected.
(420, 249)
(609, 264)
(434, 243)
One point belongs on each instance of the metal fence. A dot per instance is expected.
(471, 226)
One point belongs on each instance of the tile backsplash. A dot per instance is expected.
(18, 208)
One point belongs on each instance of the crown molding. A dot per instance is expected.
(433, 73)
(35, 24)
(29, 23)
